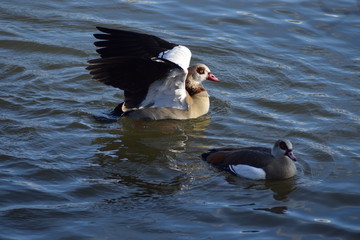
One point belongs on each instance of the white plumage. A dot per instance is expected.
(247, 171)
(168, 93)
(179, 55)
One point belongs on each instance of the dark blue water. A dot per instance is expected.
(288, 69)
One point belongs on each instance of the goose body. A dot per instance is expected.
(154, 74)
(255, 162)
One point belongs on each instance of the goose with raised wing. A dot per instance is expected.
(255, 162)
(155, 75)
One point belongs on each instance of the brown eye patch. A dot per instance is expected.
(283, 145)
(200, 70)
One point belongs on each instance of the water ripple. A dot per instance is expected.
(288, 70)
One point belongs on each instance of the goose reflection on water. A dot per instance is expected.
(280, 188)
(143, 154)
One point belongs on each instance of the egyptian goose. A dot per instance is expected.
(154, 74)
(255, 162)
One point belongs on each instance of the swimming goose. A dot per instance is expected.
(255, 162)
(154, 74)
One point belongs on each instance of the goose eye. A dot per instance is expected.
(282, 145)
(200, 70)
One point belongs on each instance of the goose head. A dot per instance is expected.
(283, 148)
(200, 72)
(196, 74)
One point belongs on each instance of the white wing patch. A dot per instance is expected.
(247, 171)
(179, 55)
(167, 93)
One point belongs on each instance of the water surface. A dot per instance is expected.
(288, 69)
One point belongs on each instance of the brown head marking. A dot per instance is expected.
(200, 70)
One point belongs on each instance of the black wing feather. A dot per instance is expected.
(128, 61)
(116, 43)
(131, 74)
(252, 156)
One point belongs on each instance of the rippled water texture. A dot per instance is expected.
(288, 69)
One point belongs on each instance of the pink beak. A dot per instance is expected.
(212, 77)
(291, 155)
